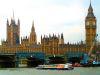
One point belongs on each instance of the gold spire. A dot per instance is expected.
(90, 11)
(90, 8)
(13, 19)
(33, 29)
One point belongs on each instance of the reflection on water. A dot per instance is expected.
(32, 71)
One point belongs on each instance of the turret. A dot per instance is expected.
(7, 22)
(61, 40)
(62, 36)
(33, 37)
(18, 23)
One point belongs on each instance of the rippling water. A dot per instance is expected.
(32, 71)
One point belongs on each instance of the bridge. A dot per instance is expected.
(7, 60)
(26, 58)
(74, 56)
(55, 59)
(19, 59)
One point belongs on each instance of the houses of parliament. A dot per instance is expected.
(50, 44)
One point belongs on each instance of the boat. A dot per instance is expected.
(76, 65)
(56, 67)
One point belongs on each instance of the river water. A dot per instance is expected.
(32, 71)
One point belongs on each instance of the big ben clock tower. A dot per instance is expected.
(90, 27)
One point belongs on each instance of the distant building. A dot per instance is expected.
(51, 44)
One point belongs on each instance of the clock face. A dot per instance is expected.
(87, 23)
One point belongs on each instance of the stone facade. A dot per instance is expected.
(52, 44)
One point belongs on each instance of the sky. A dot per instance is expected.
(49, 16)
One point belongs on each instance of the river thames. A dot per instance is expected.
(33, 71)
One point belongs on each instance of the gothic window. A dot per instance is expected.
(16, 38)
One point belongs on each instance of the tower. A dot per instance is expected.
(32, 38)
(61, 40)
(90, 26)
(13, 32)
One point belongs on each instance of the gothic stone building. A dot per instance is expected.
(52, 44)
